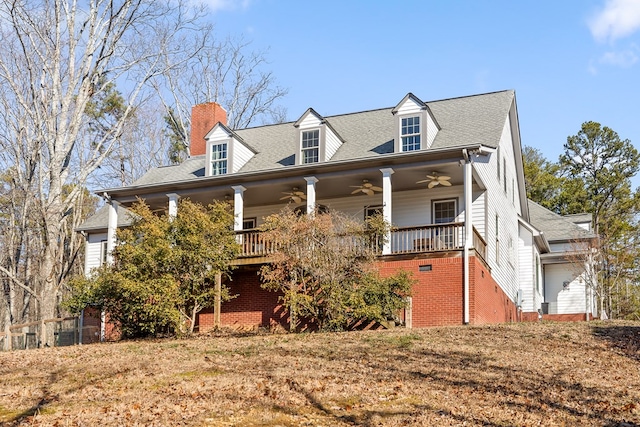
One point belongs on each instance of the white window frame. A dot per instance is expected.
(249, 223)
(408, 134)
(310, 149)
(448, 236)
(219, 165)
(103, 251)
(440, 201)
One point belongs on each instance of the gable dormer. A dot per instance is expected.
(226, 152)
(416, 128)
(317, 140)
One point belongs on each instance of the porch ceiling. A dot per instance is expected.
(330, 185)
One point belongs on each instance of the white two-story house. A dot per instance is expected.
(447, 174)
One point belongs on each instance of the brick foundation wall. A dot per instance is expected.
(487, 301)
(437, 294)
(529, 316)
(253, 306)
(574, 317)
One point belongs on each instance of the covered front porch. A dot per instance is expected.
(435, 204)
(403, 240)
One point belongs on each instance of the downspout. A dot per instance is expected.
(468, 229)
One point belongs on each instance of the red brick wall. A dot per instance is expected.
(437, 294)
(91, 327)
(203, 118)
(529, 316)
(575, 317)
(487, 302)
(252, 307)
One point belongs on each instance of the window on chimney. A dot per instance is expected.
(219, 159)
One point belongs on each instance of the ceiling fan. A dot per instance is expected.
(436, 179)
(295, 195)
(366, 187)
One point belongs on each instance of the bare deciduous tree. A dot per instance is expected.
(56, 57)
(225, 72)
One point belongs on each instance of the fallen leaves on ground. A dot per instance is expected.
(501, 375)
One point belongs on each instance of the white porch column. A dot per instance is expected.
(386, 206)
(238, 206)
(111, 245)
(468, 229)
(311, 194)
(111, 229)
(173, 205)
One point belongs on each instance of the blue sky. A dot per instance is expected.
(569, 61)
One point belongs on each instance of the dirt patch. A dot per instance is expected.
(517, 374)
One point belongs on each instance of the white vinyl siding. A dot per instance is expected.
(479, 213)
(309, 121)
(563, 299)
(240, 156)
(332, 143)
(568, 247)
(94, 251)
(499, 204)
(526, 271)
(431, 131)
(410, 107)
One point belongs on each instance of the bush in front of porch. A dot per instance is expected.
(324, 266)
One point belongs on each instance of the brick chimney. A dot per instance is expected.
(203, 118)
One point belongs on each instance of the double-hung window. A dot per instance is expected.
(444, 212)
(311, 146)
(219, 159)
(410, 133)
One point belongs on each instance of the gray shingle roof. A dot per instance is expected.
(555, 227)
(477, 119)
(100, 219)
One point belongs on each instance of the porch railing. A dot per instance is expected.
(254, 243)
(479, 244)
(404, 240)
(427, 238)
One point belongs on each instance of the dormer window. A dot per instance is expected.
(219, 159)
(416, 127)
(317, 140)
(226, 151)
(311, 146)
(410, 133)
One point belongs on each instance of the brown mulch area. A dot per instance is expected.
(549, 374)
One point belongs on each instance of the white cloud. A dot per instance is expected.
(616, 58)
(623, 58)
(618, 19)
(217, 5)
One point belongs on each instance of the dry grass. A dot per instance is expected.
(518, 374)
